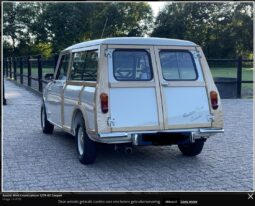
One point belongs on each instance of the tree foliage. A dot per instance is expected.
(224, 30)
(123, 19)
(31, 25)
(18, 19)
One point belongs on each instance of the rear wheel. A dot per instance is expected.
(47, 127)
(86, 148)
(191, 149)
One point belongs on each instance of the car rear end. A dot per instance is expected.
(156, 95)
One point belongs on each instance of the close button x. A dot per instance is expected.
(250, 196)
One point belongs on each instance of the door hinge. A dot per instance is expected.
(197, 54)
(107, 53)
(210, 117)
(110, 122)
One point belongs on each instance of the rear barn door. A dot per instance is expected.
(133, 94)
(183, 90)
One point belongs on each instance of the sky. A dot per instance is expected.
(156, 6)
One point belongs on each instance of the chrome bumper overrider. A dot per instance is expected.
(132, 137)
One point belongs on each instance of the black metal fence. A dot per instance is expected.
(233, 77)
(29, 70)
(229, 74)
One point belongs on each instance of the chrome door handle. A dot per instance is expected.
(164, 84)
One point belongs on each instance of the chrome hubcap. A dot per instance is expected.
(80, 141)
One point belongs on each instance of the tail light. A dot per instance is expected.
(214, 99)
(104, 102)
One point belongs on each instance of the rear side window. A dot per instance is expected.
(84, 66)
(132, 65)
(177, 65)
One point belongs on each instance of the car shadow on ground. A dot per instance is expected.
(126, 153)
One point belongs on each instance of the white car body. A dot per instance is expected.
(142, 98)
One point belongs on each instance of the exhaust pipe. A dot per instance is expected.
(122, 148)
(128, 150)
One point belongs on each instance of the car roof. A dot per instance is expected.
(133, 41)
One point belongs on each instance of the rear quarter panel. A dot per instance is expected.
(210, 85)
(103, 87)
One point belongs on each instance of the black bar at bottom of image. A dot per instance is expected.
(141, 198)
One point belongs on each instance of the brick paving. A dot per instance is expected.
(33, 161)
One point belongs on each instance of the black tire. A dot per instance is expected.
(191, 149)
(86, 148)
(47, 127)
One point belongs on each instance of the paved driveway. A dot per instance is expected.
(33, 161)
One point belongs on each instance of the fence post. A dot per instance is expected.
(4, 64)
(55, 61)
(14, 69)
(21, 69)
(4, 99)
(28, 71)
(10, 67)
(239, 77)
(39, 61)
(7, 67)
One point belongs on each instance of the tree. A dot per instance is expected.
(123, 19)
(67, 24)
(29, 27)
(218, 28)
(63, 24)
(10, 25)
(18, 19)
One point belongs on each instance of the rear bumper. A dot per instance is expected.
(133, 137)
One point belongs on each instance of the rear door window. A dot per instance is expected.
(177, 65)
(132, 65)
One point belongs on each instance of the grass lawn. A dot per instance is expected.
(247, 75)
(34, 71)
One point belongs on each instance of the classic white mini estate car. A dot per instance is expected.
(137, 91)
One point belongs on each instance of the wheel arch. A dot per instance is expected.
(76, 113)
